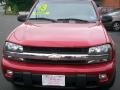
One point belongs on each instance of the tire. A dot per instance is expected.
(116, 26)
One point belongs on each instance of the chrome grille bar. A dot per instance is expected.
(55, 56)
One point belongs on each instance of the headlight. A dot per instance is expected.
(100, 50)
(13, 47)
(104, 51)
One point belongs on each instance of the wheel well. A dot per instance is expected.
(115, 22)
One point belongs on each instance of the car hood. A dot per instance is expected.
(58, 35)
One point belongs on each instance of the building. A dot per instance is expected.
(112, 3)
(108, 3)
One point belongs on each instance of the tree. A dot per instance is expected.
(2, 1)
(18, 5)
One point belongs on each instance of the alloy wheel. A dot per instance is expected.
(116, 26)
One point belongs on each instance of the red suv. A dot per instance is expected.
(62, 43)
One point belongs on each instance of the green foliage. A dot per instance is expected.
(2, 1)
(19, 5)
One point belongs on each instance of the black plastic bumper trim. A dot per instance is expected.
(77, 81)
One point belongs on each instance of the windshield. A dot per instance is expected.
(55, 11)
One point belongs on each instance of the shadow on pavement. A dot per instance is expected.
(36, 88)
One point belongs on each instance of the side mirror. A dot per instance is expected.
(22, 18)
(106, 19)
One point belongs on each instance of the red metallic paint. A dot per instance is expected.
(95, 69)
(59, 35)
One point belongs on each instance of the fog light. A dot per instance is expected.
(9, 74)
(103, 77)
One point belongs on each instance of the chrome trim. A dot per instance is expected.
(55, 56)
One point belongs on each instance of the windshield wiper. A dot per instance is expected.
(46, 19)
(73, 19)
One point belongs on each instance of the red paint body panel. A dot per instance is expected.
(94, 69)
(59, 35)
(58, 69)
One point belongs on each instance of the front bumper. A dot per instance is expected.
(71, 81)
(108, 25)
(85, 76)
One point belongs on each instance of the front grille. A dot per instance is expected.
(52, 50)
(56, 50)
(55, 61)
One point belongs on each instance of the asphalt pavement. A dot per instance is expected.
(8, 23)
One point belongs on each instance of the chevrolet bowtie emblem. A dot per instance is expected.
(55, 57)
